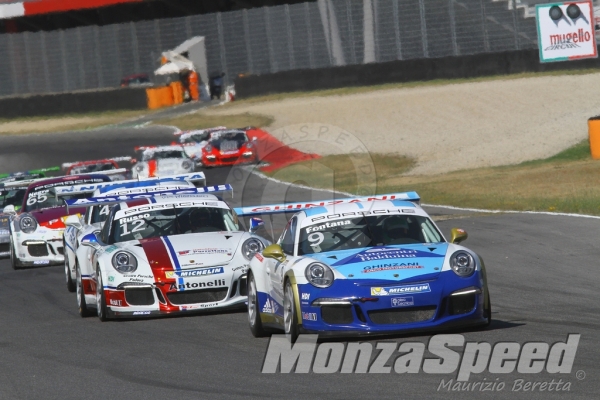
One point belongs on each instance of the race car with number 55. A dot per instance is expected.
(363, 266)
(164, 254)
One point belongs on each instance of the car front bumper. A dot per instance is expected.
(39, 248)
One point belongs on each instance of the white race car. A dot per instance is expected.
(164, 255)
(77, 225)
(154, 161)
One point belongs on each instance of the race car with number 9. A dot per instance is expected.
(364, 266)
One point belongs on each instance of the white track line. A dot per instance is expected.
(480, 210)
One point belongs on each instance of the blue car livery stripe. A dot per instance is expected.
(175, 261)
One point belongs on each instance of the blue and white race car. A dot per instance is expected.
(358, 266)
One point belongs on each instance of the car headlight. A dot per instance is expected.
(462, 263)
(251, 247)
(27, 223)
(139, 168)
(187, 164)
(319, 275)
(124, 262)
(208, 148)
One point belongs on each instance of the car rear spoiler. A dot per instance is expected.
(64, 166)
(288, 208)
(28, 182)
(193, 177)
(413, 197)
(96, 201)
(30, 172)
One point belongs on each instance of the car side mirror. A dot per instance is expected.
(9, 209)
(458, 235)
(90, 240)
(133, 161)
(255, 224)
(254, 139)
(74, 221)
(274, 251)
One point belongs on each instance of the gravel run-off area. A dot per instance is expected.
(444, 127)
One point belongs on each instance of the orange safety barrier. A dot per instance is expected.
(177, 89)
(160, 97)
(594, 135)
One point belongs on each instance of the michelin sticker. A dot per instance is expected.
(389, 291)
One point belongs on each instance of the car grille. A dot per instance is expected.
(243, 288)
(337, 314)
(61, 250)
(403, 315)
(197, 296)
(139, 296)
(37, 250)
(229, 159)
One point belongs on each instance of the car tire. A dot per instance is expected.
(14, 262)
(254, 309)
(488, 310)
(290, 313)
(100, 298)
(70, 284)
(84, 311)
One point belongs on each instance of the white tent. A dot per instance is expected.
(176, 63)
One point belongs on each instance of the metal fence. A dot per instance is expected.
(265, 40)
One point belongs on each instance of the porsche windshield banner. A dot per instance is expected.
(566, 31)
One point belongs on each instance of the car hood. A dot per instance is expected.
(195, 250)
(387, 262)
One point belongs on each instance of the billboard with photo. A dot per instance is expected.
(566, 31)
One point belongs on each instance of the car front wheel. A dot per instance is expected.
(254, 309)
(290, 313)
(14, 262)
(84, 311)
(100, 298)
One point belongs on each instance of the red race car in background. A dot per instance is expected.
(229, 147)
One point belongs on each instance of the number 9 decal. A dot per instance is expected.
(316, 239)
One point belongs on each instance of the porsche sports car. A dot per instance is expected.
(194, 141)
(78, 226)
(85, 167)
(164, 255)
(37, 229)
(161, 160)
(359, 266)
(228, 147)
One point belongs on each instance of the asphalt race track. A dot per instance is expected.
(543, 275)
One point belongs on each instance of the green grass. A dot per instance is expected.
(566, 182)
(200, 120)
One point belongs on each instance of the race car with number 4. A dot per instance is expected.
(363, 266)
(164, 254)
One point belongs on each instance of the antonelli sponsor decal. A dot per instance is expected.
(566, 31)
(197, 285)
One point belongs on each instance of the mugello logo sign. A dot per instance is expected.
(566, 31)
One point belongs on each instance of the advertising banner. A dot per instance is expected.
(566, 31)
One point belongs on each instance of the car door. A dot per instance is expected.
(286, 241)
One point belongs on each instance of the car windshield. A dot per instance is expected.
(12, 197)
(173, 221)
(82, 169)
(99, 213)
(368, 231)
(229, 141)
(196, 137)
(40, 197)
